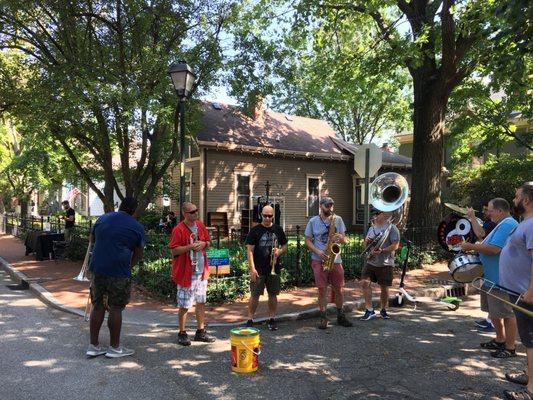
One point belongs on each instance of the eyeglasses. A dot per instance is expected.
(192, 211)
(328, 205)
(267, 215)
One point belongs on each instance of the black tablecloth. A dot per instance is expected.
(41, 243)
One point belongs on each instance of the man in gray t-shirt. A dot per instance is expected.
(516, 266)
(379, 263)
(316, 238)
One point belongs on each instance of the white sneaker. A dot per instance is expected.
(121, 351)
(95, 351)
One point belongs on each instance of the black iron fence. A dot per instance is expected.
(154, 272)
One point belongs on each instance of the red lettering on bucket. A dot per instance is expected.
(233, 356)
(255, 361)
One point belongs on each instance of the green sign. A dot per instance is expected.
(217, 257)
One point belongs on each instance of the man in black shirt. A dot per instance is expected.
(263, 249)
(69, 218)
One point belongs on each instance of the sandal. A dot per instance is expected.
(504, 353)
(518, 395)
(492, 345)
(517, 377)
(323, 323)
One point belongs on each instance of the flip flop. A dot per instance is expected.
(517, 377)
(518, 395)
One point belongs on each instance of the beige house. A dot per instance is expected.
(301, 159)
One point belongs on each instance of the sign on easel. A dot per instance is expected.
(218, 261)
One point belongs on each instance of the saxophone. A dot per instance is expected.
(332, 249)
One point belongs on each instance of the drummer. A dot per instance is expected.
(489, 249)
(481, 230)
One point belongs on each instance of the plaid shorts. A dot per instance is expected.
(196, 293)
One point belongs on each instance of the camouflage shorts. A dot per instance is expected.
(117, 290)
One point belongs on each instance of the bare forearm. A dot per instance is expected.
(136, 256)
(478, 229)
(310, 245)
(484, 248)
(176, 251)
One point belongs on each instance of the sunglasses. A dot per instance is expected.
(328, 205)
(192, 211)
(267, 215)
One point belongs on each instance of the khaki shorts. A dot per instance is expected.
(117, 290)
(496, 308)
(381, 275)
(271, 282)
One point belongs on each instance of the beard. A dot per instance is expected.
(519, 208)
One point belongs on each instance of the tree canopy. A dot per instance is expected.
(98, 82)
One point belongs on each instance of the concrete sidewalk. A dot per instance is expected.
(52, 281)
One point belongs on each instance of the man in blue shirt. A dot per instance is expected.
(481, 231)
(118, 245)
(489, 249)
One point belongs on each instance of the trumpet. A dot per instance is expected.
(478, 283)
(273, 257)
(192, 255)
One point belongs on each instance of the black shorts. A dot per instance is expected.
(117, 290)
(380, 275)
(525, 323)
(271, 282)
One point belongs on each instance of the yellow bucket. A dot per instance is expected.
(245, 349)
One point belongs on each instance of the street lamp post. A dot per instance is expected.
(183, 78)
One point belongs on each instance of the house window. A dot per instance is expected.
(188, 180)
(359, 214)
(313, 195)
(243, 191)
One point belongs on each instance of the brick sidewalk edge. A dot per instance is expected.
(359, 305)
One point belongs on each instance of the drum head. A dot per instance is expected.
(453, 231)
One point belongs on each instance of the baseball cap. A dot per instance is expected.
(326, 200)
(375, 211)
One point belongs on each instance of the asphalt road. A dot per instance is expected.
(427, 353)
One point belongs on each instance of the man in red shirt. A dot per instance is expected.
(190, 271)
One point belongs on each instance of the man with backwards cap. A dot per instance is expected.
(316, 238)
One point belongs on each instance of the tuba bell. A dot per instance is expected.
(388, 193)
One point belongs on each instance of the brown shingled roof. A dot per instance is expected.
(275, 131)
(227, 125)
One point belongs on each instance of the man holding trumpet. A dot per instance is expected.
(264, 244)
(516, 267)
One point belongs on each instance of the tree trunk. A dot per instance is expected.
(428, 123)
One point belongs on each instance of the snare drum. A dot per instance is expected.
(464, 268)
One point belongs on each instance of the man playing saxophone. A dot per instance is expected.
(263, 251)
(317, 235)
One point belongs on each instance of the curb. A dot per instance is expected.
(359, 305)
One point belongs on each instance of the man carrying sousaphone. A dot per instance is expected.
(264, 244)
(378, 267)
(317, 236)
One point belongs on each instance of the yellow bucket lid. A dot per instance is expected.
(248, 331)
